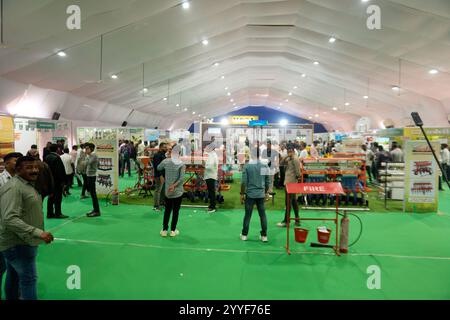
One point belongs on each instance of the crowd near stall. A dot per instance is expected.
(138, 139)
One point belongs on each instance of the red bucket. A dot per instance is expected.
(300, 235)
(323, 237)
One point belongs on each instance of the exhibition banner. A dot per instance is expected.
(108, 166)
(432, 133)
(106, 143)
(46, 125)
(352, 145)
(242, 119)
(421, 177)
(6, 135)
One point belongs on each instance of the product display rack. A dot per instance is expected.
(392, 178)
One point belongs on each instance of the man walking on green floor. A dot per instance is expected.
(91, 173)
(22, 230)
(254, 187)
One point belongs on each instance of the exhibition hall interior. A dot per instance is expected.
(225, 150)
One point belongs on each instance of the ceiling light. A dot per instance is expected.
(396, 88)
(62, 54)
(226, 88)
(316, 63)
(231, 100)
(234, 104)
(193, 112)
(295, 87)
(335, 109)
(309, 117)
(185, 109)
(365, 0)
(177, 105)
(224, 122)
(332, 40)
(283, 122)
(186, 5)
(216, 64)
(278, 108)
(165, 99)
(145, 90)
(303, 75)
(235, 107)
(114, 76)
(287, 100)
(316, 115)
(366, 97)
(205, 42)
(433, 71)
(290, 93)
(222, 77)
(347, 104)
(229, 94)
(281, 104)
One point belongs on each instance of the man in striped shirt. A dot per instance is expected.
(10, 170)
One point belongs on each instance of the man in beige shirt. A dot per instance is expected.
(22, 230)
(292, 175)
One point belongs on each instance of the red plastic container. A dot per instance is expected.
(323, 237)
(300, 235)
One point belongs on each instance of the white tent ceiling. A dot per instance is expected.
(262, 46)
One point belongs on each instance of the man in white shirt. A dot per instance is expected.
(10, 167)
(211, 175)
(270, 156)
(141, 149)
(303, 153)
(397, 153)
(67, 162)
(370, 156)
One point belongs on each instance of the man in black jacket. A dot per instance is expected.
(59, 180)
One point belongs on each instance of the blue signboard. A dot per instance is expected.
(258, 123)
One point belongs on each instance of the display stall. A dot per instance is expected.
(106, 142)
(233, 137)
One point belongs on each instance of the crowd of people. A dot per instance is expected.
(24, 184)
(28, 180)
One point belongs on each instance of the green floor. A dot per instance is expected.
(122, 256)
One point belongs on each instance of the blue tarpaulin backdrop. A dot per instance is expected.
(271, 115)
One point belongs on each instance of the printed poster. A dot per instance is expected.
(108, 165)
(421, 177)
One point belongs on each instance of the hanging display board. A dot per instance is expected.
(6, 135)
(106, 143)
(130, 134)
(25, 134)
(421, 177)
(53, 131)
(151, 134)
